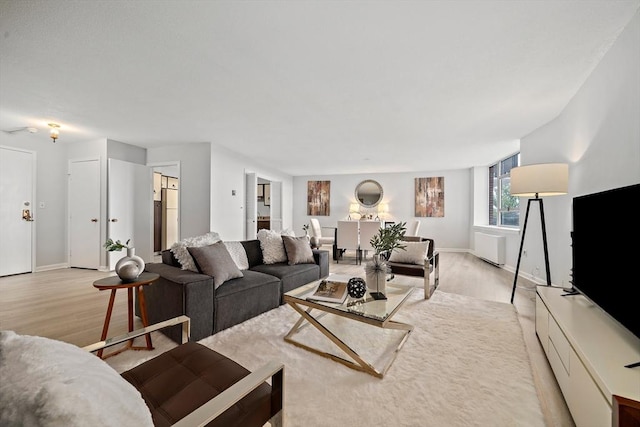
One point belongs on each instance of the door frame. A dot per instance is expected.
(172, 163)
(34, 163)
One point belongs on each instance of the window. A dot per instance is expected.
(504, 209)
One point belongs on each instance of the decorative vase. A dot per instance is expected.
(315, 242)
(128, 268)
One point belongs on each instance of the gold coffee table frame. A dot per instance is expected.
(373, 312)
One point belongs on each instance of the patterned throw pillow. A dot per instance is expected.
(414, 253)
(272, 246)
(179, 249)
(238, 254)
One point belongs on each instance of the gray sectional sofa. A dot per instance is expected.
(184, 292)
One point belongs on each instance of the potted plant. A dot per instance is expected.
(376, 270)
(111, 246)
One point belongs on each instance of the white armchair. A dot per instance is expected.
(316, 231)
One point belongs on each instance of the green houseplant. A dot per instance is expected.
(388, 239)
(384, 242)
(111, 246)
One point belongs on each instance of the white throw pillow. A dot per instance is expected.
(52, 383)
(182, 254)
(414, 253)
(272, 245)
(238, 254)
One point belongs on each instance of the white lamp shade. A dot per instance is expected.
(544, 179)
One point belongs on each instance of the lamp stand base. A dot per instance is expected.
(377, 295)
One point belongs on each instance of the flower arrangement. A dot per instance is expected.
(111, 246)
(305, 228)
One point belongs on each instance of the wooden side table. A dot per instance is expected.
(113, 283)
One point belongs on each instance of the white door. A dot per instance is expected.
(16, 211)
(129, 201)
(276, 205)
(251, 201)
(84, 214)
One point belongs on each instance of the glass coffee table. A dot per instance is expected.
(378, 313)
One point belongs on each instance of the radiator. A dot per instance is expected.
(490, 248)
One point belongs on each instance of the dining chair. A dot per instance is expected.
(348, 239)
(412, 230)
(368, 229)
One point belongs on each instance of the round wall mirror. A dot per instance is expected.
(369, 193)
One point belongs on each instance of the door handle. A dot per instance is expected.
(114, 220)
(94, 219)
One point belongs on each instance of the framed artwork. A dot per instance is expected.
(318, 198)
(261, 192)
(430, 197)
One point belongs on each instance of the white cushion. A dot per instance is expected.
(52, 383)
(238, 254)
(183, 256)
(414, 253)
(272, 246)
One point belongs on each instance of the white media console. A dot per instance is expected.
(588, 352)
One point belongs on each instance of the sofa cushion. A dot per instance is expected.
(215, 260)
(272, 246)
(413, 253)
(53, 383)
(298, 250)
(181, 252)
(238, 254)
(291, 276)
(241, 299)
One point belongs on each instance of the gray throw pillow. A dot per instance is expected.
(215, 260)
(298, 250)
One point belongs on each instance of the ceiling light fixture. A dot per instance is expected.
(55, 131)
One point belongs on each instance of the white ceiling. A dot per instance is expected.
(310, 87)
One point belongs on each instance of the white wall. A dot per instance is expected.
(228, 174)
(450, 232)
(598, 134)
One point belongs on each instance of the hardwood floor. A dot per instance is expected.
(64, 305)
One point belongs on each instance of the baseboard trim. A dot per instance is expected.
(51, 267)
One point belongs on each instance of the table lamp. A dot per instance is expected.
(354, 208)
(537, 181)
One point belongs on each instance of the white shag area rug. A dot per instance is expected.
(464, 364)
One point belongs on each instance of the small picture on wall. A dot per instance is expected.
(318, 195)
(430, 197)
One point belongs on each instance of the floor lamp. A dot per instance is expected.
(536, 181)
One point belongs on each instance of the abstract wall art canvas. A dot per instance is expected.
(430, 197)
(318, 198)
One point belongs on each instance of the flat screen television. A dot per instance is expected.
(606, 252)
